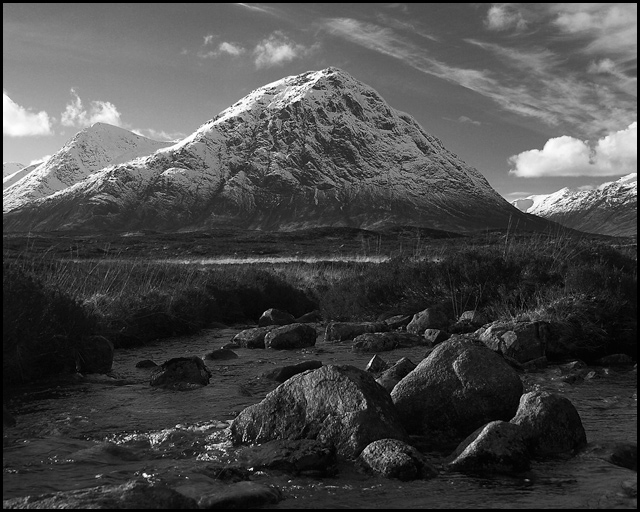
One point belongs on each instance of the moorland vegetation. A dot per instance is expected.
(58, 290)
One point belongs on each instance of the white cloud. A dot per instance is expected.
(504, 17)
(99, 112)
(231, 48)
(18, 121)
(468, 120)
(159, 135)
(208, 39)
(276, 50)
(613, 155)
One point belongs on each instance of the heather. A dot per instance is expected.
(587, 286)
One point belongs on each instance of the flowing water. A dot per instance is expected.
(110, 429)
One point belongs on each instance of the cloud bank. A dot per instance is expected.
(17, 121)
(613, 155)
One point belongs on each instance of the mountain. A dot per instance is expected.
(91, 150)
(611, 209)
(316, 149)
(10, 168)
(15, 172)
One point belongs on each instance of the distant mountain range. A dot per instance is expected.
(316, 149)
(610, 209)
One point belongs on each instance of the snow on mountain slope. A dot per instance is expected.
(92, 149)
(611, 209)
(10, 179)
(316, 149)
(10, 168)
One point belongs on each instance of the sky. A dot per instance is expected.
(537, 97)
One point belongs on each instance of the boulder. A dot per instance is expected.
(221, 354)
(621, 454)
(498, 447)
(311, 317)
(430, 318)
(336, 405)
(245, 495)
(459, 387)
(146, 363)
(181, 373)
(283, 373)
(252, 338)
(550, 422)
(473, 317)
(94, 355)
(395, 374)
(376, 365)
(435, 336)
(130, 495)
(340, 331)
(397, 321)
(275, 317)
(299, 456)
(375, 342)
(392, 458)
(522, 341)
(291, 336)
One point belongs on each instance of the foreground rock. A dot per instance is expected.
(498, 447)
(181, 373)
(551, 424)
(392, 458)
(126, 496)
(336, 405)
(340, 331)
(459, 387)
(292, 336)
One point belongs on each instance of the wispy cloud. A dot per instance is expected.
(76, 115)
(18, 121)
(504, 17)
(160, 135)
(613, 155)
(468, 120)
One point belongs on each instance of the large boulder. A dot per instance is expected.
(337, 405)
(340, 331)
(252, 338)
(275, 317)
(291, 336)
(456, 389)
(550, 422)
(130, 495)
(498, 446)
(430, 318)
(522, 341)
(94, 355)
(392, 458)
(181, 373)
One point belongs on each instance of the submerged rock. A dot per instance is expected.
(292, 456)
(241, 495)
(181, 373)
(392, 458)
(498, 446)
(284, 373)
(551, 424)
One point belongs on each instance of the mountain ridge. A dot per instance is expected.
(315, 149)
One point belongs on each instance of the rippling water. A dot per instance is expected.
(108, 430)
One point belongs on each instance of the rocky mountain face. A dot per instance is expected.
(611, 209)
(316, 149)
